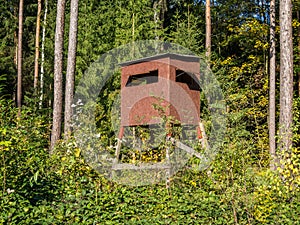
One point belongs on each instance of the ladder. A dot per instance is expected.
(166, 165)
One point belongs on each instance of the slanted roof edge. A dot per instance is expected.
(192, 58)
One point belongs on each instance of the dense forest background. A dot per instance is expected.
(241, 186)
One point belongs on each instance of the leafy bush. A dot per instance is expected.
(37, 188)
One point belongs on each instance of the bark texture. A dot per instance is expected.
(19, 63)
(37, 45)
(298, 30)
(208, 30)
(69, 93)
(58, 69)
(286, 76)
(272, 97)
(43, 54)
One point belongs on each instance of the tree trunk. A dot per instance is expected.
(286, 76)
(160, 8)
(16, 51)
(37, 45)
(58, 69)
(156, 19)
(298, 30)
(69, 93)
(208, 30)
(43, 54)
(263, 10)
(272, 97)
(19, 82)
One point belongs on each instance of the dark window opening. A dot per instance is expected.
(141, 79)
(187, 78)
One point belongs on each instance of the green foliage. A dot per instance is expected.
(7, 47)
(134, 21)
(245, 84)
(107, 119)
(96, 32)
(186, 28)
(276, 194)
(226, 14)
(37, 188)
(275, 202)
(296, 121)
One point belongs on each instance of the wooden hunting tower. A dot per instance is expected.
(166, 80)
(165, 85)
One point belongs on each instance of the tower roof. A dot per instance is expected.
(181, 57)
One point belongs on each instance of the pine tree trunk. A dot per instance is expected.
(37, 45)
(43, 54)
(20, 35)
(58, 76)
(160, 8)
(263, 10)
(16, 38)
(286, 76)
(208, 30)
(16, 51)
(156, 19)
(272, 97)
(69, 93)
(298, 30)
